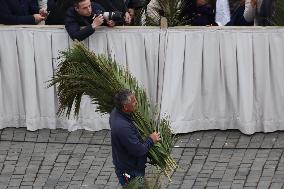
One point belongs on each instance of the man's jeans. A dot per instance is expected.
(121, 175)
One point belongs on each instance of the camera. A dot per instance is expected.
(115, 16)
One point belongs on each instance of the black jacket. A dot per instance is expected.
(129, 151)
(57, 10)
(238, 19)
(73, 22)
(14, 12)
(120, 5)
(204, 15)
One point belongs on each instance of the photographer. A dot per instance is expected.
(84, 13)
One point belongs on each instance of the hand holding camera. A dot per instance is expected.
(115, 16)
(43, 12)
(98, 20)
(38, 18)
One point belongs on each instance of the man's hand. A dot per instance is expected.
(97, 21)
(127, 18)
(131, 12)
(43, 12)
(111, 23)
(155, 137)
(38, 18)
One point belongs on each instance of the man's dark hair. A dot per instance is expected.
(121, 98)
(76, 2)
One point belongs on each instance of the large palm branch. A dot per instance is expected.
(81, 72)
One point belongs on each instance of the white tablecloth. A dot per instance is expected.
(29, 57)
(224, 79)
(203, 78)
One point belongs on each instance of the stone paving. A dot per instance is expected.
(82, 159)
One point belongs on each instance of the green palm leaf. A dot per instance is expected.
(81, 72)
(277, 17)
(173, 10)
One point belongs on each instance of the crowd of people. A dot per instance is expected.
(92, 13)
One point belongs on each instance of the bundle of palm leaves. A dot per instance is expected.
(81, 72)
(142, 183)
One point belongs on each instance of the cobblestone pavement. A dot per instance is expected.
(82, 159)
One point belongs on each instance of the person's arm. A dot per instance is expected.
(75, 31)
(250, 10)
(132, 143)
(6, 16)
(73, 28)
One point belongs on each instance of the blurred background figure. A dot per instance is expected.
(186, 12)
(57, 11)
(127, 7)
(15, 12)
(203, 14)
(244, 13)
(270, 12)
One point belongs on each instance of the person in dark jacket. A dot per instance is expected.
(203, 15)
(197, 13)
(87, 14)
(129, 151)
(13, 12)
(244, 14)
(57, 9)
(127, 7)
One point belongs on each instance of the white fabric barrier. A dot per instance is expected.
(224, 79)
(203, 78)
(29, 58)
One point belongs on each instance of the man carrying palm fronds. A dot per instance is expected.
(129, 151)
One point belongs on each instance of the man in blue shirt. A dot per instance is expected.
(14, 12)
(129, 151)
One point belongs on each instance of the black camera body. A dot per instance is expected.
(115, 15)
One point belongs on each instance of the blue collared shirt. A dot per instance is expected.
(129, 151)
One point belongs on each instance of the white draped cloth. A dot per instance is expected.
(202, 77)
(224, 79)
(28, 58)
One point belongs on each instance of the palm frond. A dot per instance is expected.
(173, 10)
(277, 17)
(81, 72)
(142, 183)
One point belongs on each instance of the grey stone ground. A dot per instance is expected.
(82, 159)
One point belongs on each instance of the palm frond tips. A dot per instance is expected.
(81, 72)
(173, 10)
